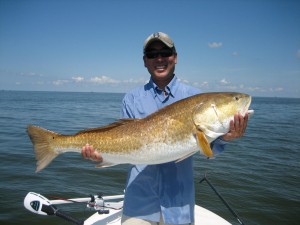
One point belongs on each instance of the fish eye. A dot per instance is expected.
(236, 98)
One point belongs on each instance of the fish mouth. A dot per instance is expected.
(250, 112)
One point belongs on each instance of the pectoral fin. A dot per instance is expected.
(203, 144)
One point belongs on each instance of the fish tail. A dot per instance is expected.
(41, 140)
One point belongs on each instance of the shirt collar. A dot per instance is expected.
(170, 89)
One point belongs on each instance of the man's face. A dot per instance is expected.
(162, 66)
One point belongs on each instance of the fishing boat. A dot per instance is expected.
(109, 209)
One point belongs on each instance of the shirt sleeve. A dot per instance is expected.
(127, 106)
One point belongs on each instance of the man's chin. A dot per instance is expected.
(161, 73)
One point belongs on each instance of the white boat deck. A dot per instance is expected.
(202, 217)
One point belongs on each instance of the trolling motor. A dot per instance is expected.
(38, 204)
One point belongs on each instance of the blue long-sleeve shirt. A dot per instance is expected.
(168, 188)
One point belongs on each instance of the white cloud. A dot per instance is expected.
(278, 89)
(224, 81)
(255, 89)
(227, 85)
(31, 74)
(104, 80)
(60, 82)
(215, 44)
(204, 84)
(78, 79)
(99, 80)
(134, 81)
(185, 81)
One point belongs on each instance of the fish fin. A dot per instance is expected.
(203, 144)
(210, 133)
(184, 157)
(41, 139)
(105, 164)
(117, 123)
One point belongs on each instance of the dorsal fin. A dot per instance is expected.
(115, 124)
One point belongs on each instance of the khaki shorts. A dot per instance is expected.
(136, 221)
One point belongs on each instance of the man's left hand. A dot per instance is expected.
(237, 127)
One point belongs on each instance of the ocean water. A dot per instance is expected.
(258, 175)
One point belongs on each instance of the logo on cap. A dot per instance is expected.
(156, 35)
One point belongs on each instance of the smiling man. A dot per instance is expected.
(160, 58)
(163, 193)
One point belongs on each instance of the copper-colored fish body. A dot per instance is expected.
(172, 133)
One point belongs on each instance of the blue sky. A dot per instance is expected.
(250, 46)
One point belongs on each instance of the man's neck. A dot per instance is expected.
(161, 84)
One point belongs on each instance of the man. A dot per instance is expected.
(163, 193)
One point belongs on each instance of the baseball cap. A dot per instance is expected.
(159, 36)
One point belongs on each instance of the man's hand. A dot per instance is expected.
(237, 127)
(88, 152)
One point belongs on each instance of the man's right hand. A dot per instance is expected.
(88, 152)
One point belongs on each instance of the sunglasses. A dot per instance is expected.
(153, 54)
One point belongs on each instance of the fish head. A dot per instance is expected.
(212, 115)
